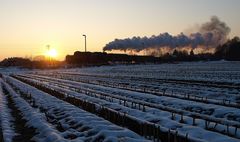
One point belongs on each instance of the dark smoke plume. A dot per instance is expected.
(209, 35)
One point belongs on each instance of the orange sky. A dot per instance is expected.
(27, 26)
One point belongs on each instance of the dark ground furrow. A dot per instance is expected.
(23, 133)
(1, 133)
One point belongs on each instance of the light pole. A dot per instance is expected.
(48, 48)
(85, 42)
(49, 58)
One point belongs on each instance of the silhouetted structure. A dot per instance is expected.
(27, 63)
(100, 58)
(230, 50)
(15, 61)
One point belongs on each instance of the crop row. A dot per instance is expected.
(125, 102)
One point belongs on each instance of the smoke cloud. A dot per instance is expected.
(209, 35)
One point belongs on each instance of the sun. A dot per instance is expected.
(52, 53)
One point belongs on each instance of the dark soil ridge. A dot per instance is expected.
(22, 132)
(1, 132)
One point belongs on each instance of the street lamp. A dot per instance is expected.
(49, 58)
(85, 42)
(48, 48)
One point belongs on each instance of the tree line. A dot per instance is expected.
(228, 51)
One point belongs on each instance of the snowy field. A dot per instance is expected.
(184, 102)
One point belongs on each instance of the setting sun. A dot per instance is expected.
(52, 53)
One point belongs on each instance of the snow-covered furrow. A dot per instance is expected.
(45, 132)
(93, 127)
(158, 80)
(5, 117)
(216, 96)
(101, 95)
(205, 71)
(154, 106)
(185, 87)
(162, 118)
(217, 111)
(78, 87)
(223, 73)
(146, 78)
(189, 88)
(201, 94)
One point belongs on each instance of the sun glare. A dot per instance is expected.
(52, 53)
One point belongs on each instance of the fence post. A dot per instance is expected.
(235, 133)
(227, 129)
(194, 121)
(186, 137)
(173, 116)
(181, 121)
(175, 136)
(169, 135)
(158, 133)
(206, 124)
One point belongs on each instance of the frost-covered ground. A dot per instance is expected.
(197, 101)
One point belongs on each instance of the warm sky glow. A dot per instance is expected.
(27, 26)
(52, 53)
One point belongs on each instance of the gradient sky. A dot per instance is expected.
(27, 26)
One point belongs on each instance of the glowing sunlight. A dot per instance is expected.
(52, 53)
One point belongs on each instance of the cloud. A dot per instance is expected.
(209, 35)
